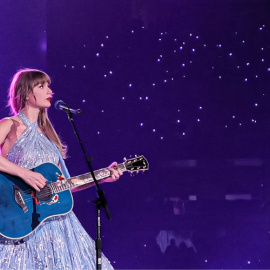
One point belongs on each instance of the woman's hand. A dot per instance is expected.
(33, 179)
(115, 173)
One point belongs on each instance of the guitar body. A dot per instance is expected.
(22, 210)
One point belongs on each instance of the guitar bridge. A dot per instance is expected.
(19, 199)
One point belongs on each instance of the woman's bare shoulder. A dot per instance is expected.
(7, 122)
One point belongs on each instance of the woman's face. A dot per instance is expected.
(41, 96)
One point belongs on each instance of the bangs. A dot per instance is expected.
(40, 78)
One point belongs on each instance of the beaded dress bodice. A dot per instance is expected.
(32, 148)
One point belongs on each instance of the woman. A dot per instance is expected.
(27, 140)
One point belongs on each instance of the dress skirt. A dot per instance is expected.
(59, 243)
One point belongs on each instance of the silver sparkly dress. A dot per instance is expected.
(60, 242)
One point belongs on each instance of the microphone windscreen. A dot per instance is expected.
(58, 103)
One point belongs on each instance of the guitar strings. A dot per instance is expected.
(87, 181)
(52, 190)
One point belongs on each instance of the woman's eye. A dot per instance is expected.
(41, 86)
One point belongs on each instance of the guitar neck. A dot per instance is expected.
(83, 179)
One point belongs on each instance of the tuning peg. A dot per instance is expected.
(144, 172)
(125, 159)
(131, 174)
(136, 156)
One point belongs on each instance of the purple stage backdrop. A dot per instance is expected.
(184, 83)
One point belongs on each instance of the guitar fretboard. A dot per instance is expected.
(83, 179)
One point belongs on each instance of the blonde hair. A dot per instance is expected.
(22, 84)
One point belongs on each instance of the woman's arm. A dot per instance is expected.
(115, 174)
(35, 180)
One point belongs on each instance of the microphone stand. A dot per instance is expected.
(100, 202)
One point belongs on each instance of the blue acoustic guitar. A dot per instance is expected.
(22, 209)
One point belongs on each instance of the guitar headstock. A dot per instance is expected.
(137, 164)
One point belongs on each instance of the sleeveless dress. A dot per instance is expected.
(59, 242)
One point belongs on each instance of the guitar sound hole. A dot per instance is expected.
(45, 194)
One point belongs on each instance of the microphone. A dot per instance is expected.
(62, 106)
